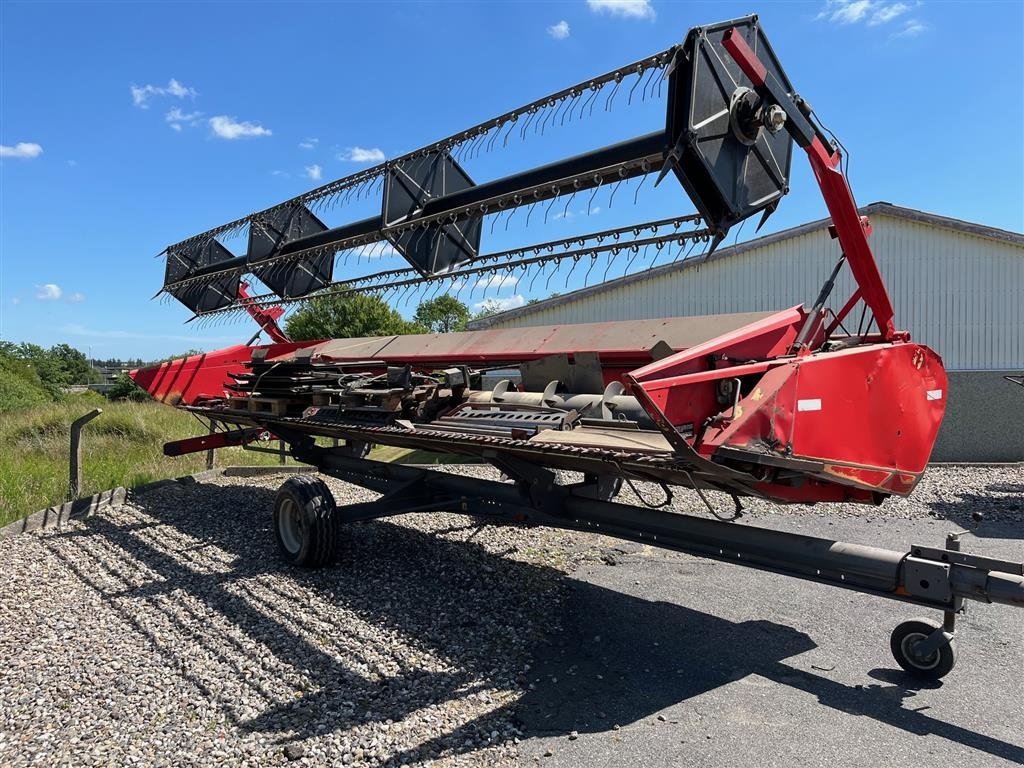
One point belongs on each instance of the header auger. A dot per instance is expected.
(792, 405)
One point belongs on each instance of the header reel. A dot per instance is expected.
(730, 155)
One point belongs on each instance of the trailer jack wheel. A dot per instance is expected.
(913, 646)
(306, 522)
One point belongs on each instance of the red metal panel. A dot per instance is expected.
(869, 414)
(201, 377)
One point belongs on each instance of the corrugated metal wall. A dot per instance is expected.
(961, 294)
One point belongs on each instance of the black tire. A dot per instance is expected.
(907, 635)
(306, 522)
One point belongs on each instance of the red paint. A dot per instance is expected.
(191, 380)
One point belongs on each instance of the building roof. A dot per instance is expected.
(880, 208)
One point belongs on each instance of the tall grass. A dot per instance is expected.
(123, 446)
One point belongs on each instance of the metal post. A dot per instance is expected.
(75, 473)
(211, 454)
(949, 617)
(282, 453)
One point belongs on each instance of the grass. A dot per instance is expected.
(122, 446)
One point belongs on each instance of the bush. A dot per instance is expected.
(125, 389)
(20, 387)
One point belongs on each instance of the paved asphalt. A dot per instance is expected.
(669, 660)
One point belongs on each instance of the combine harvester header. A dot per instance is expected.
(797, 405)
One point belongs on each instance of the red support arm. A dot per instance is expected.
(825, 164)
(266, 318)
(215, 440)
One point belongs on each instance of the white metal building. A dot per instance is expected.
(957, 287)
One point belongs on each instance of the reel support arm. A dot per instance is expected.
(851, 229)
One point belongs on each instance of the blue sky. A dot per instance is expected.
(126, 127)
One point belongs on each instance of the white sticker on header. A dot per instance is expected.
(809, 405)
(934, 394)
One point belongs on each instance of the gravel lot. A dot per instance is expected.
(166, 632)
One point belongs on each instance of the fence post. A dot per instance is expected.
(211, 454)
(75, 473)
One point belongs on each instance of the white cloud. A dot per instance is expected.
(498, 281)
(362, 155)
(25, 150)
(376, 250)
(16, 300)
(48, 292)
(886, 13)
(314, 172)
(501, 305)
(228, 128)
(874, 12)
(628, 9)
(73, 163)
(141, 94)
(559, 31)
(912, 28)
(845, 11)
(176, 118)
(308, 143)
(75, 298)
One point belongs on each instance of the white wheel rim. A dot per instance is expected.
(290, 525)
(908, 645)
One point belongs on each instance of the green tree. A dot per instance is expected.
(339, 315)
(20, 386)
(442, 315)
(74, 365)
(46, 365)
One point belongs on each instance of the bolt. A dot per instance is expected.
(775, 118)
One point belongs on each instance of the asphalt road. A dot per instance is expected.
(669, 660)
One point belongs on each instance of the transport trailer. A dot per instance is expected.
(802, 405)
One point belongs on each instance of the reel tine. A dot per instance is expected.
(639, 77)
(511, 125)
(586, 277)
(640, 183)
(526, 125)
(611, 197)
(511, 213)
(565, 211)
(548, 209)
(593, 194)
(611, 97)
(529, 213)
(607, 266)
(571, 108)
(547, 116)
(536, 274)
(647, 83)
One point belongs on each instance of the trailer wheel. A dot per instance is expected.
(904, 641)
(306, 522)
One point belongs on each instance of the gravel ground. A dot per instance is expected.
(167, 632)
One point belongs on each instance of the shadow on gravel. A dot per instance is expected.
(617, 659)
(1002, 508)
